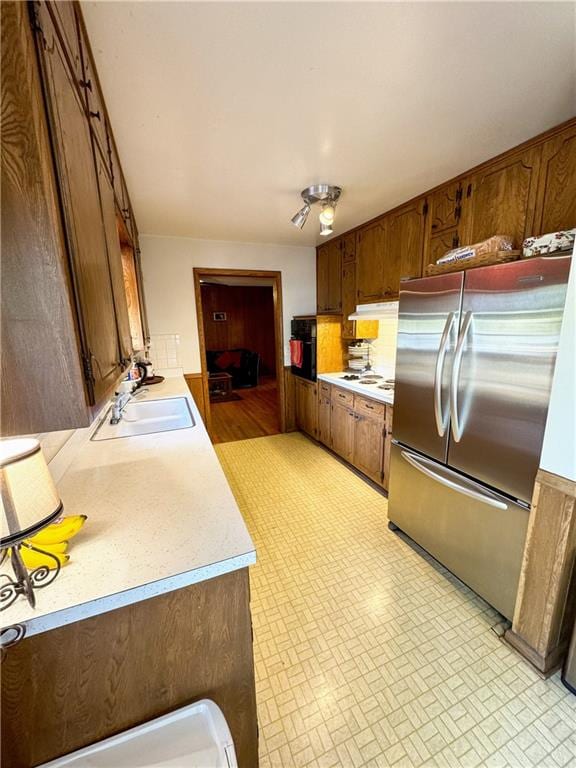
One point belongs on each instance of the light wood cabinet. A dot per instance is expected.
(307, 406)
(556, 200)
(500, 199)
(329, 268)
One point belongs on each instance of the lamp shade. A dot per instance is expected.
(29, 497)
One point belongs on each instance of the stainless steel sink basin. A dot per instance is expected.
(147, 417)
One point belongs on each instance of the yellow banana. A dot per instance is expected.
(59, 548)
(63, 530)
(33, 559)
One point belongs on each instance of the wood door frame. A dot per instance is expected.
(276, 277)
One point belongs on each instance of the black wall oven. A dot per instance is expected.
(304, 331)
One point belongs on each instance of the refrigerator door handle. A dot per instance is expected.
(457, 428)
(491, 501)
(441, 422)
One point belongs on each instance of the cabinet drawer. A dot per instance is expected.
(369, 407)
(342, 397)
(325, 389)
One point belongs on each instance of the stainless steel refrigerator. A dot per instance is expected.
(474, 366)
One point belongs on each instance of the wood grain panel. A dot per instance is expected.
(556, 207)
(289, 400)
(329, 268)
(342, 430)
(546, 602)
(38, 321)
(324, 418)
(132, 294)
(195, 385)
(77, 684)
(368, 445)
(387, 447)
(329, 357)
(249, 321)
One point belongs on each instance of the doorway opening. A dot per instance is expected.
(241, 350)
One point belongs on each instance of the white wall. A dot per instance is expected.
(559, 448)
(167, 264)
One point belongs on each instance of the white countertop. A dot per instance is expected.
(161, 516)
(367, 390)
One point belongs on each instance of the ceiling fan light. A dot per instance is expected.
(327, 214)
(325, 229)
(299, 219)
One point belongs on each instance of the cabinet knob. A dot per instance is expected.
(95, 115)
(87, 84)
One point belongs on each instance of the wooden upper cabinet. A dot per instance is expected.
(444, 207)
(348, 247)
(78, 183)
(500, 198)
(556, 206)
(94, 101)
(405, 244)
(67, 23)
(328, 275)
(42, 383)
(370, 255)
(348, 298)
(119, 289)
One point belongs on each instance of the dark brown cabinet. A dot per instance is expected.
(65, 333)
(500, 199)
(556, 205)
(348, 298)
(368, 445)
(78, 184)
(324, 419)
(329, 267)
(94, 101)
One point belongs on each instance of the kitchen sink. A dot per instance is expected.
(147, 418)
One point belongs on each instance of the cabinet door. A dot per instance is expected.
(342, 430)
(348, 298)
(405, 245)
(115, 262)
(368, 445)
(84, 229)
(64, 14)
(311, 408)
(324, 414)
(348, 247)
(370, 255)
(387, 447)
(556, 207)
(444, 207)
(440, 244)
(329, 278)
(500, 199)
(94, 100)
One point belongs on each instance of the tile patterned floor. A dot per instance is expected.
(368, 653)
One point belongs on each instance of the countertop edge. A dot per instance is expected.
(50, 621)
(352, 386)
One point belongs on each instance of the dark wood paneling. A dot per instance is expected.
(42, 382)
(77, 684)
(249, 323)
(79, 193)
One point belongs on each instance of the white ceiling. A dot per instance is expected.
(223, 112)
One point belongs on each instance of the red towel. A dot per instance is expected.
(296, 352)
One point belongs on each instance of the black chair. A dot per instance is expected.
(242, 364)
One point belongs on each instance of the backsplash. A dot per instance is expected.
(383, 348)
(165, 350)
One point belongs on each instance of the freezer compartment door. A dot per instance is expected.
(476, 533)
(428, 324)
(503, 368)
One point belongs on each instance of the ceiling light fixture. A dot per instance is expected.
(325, 194)
(299, 219)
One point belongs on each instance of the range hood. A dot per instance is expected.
(381, 310)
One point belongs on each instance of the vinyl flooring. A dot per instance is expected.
(368, 652)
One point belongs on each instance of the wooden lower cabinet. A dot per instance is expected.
(368, 446)
(342, 431)
(86, 681)
(358, 429)
(306, 406)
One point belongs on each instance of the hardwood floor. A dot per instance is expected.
(255, 415)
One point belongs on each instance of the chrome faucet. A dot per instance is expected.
(121, 400)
